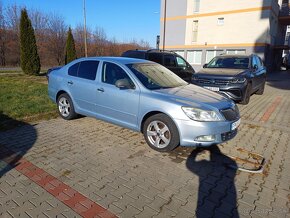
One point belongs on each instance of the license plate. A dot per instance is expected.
(236, 124)
(215, 89)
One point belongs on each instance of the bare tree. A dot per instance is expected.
(100, 41)
(57, 37)
(2, 37)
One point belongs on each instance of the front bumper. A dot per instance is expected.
(190, 130)
(235, 92)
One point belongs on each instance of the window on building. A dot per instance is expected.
(181, 53)
(210, 54)
(88, 69)
(194, 57)
(220, 21)
(236, 51)
(196, 5)
(194, 30)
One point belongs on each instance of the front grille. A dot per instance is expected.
(231, 114)
(229, 135)
(212, 81)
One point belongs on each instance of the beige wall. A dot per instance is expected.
(238, 28)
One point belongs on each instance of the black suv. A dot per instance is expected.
(235, 76)
(168, 59)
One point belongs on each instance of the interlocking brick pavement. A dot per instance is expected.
(113, 167)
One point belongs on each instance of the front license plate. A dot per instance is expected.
(215, 89)
(236, 124)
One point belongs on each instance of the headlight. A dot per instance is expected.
(201, 115)
(240, 80)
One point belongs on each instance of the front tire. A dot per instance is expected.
(65, 107)
(161, 133)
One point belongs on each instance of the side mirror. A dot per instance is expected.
(204, 66)
(123, 84)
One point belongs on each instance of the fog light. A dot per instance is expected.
(205, 138)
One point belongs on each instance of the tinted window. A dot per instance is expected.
(155, 76)
(229, 62)
(169, 61)
(155, 57)
(112, 72)
(134, 54)
(88, 69)
(73, 70)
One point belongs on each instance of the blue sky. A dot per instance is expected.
(122, 19)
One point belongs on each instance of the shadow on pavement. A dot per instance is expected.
(217, 192)
(14, 144)
(279, 80)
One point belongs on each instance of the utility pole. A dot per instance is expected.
(85, 30)
(164, 23)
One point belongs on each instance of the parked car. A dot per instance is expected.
(235, 76)
(168, 59)
(51, 69)
(143, 96)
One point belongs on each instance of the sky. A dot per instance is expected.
(122, 19)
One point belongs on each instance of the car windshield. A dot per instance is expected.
(229, 62)
(155, 76)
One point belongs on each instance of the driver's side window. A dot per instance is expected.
(112, 72)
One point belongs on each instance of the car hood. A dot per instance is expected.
(220, 71)
(192, 95)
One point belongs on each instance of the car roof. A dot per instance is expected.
(152, 51)
(121, 60)
(233, 56)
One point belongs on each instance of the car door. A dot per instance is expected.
(253, 72)
(82, 85)
(115, 104)
(259, 72)
(184, 68)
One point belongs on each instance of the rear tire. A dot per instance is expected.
(65, 107)
(247, 96)
(161, 133)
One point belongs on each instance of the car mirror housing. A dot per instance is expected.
(204, 66)
(123, 84)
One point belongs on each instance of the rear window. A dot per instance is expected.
(155, 57)
(134, 54)
(88, 69)
(73, 70)
(169, 61)
(84, 69)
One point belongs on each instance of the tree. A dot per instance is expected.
(70, 50)
(2, 38)
(57, 37)
(29, 59)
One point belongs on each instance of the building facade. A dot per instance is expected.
(200, 29)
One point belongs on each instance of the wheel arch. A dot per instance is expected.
(154, 112)
(60, 93)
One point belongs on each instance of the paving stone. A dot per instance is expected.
(146, 213)
(129, 212)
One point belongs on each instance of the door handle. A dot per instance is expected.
(70, 82)
(100, 90)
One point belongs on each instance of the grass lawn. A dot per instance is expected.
(24, 98)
